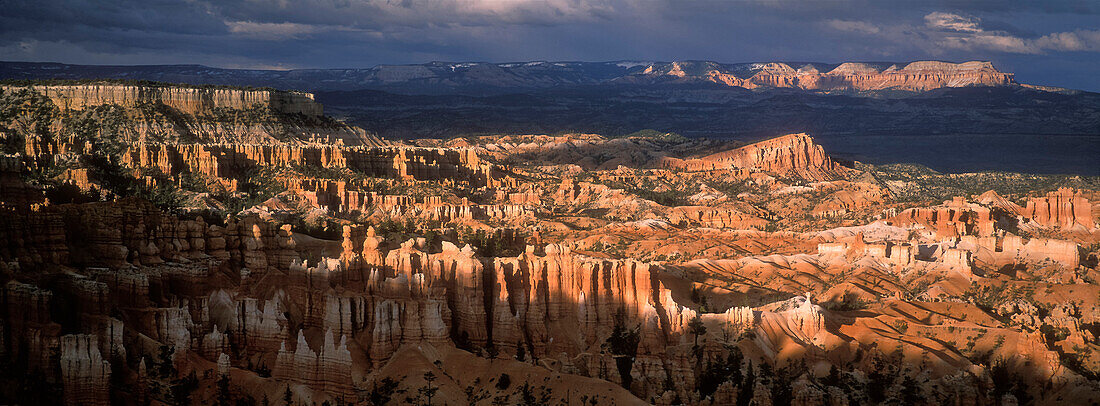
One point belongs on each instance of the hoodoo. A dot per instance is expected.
(197, 245)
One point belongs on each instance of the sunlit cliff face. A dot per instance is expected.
(509, 269)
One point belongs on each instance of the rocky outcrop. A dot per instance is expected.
(464, 276)
(952, 219)
(716, 217)
(133, 231)
(327, 369)
(560, 289)
(174, 114)
(171, 326)
(620, 204)
(31, 334)
(233, 160)
(399, 321)
(249, 298)
(898, 255)
(853, 197)
(792, 154)
(344, 197)
(85, 375)
(190, 100)
(1064, 208)
(229, 160)
(323, 323)
(1043, 249)
(847, 77)
(1011, 249)
(958, 259)
(14, 191)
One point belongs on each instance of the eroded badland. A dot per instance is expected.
(173, 244)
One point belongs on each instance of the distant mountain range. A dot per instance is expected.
(493, 78)
(693, 98)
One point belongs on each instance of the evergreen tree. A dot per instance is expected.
(833, 379)
(166, 366)
(697, 328)
(182, 388)
(382, 391)
(223, 390)
(521, 353)
(623, 346)
(428, 391)
(745, 396)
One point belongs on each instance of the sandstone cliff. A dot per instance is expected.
(161, 113)
(232, 160)
(792, 154)
(189, 100)
(1063, 208)
(84, 373)
(846, 77)
(952, 219)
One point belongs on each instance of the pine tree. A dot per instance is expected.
(521, 353)
(428, 391)
(288, 396)
(697, 328)
(746, 395)
(223, 390)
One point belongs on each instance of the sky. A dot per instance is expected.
(1052, 42)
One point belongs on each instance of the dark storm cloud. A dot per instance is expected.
(1016, 35)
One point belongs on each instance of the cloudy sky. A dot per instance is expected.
(1049, 42)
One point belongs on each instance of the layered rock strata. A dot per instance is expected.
(85, 375)
(190, 100)
(239, 294)
(76, 115)
(793, 154)
(952, 219)
(846, 77)
(1064, 208)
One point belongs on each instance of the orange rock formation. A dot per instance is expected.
(656, 271)
(849, 76)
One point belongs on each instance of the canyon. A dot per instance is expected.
(300, 259)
